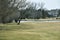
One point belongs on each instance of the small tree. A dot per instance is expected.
(58, 13)
(43, 12)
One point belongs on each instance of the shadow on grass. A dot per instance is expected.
(3, 39)
(15, 27)
(3, 28)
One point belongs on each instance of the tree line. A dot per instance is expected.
(20, 9)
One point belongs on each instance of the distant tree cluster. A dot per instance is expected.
(31, 12)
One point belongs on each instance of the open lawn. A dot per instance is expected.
(30, 31)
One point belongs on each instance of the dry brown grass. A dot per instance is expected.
(31, 31)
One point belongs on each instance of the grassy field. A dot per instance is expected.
(30, 31)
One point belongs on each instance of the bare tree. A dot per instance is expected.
(42, 10)
(9, 7)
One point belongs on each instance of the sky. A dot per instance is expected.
(49, 4)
